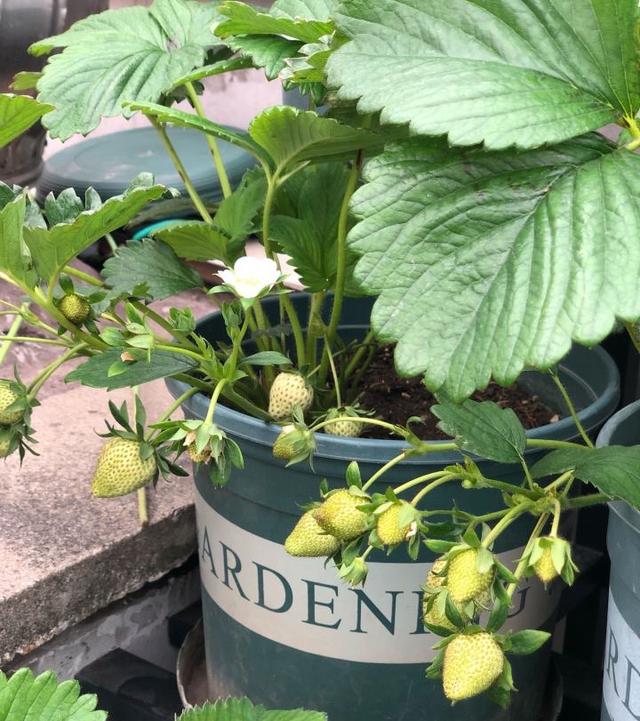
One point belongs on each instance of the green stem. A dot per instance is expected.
(12, 334)
(296, 327)
(182, 171)
(397, 430)
(427, 489)
(84, 277)
(159, 320)
(544, 443)
(341, 259)
(334, 373)
(560, 481)
(143, 509)
(113, 246)
(523, 564)
(419, 480)
(245, 405)
(556, 518)
(47, 372)
(179, 350)
(595, 499)
(213, 143)
(386, 467)
(572, 409)
(214, 401)
(359, 355)
(272, 187)
(512, 515)
(176, 404)
(315, 324)
(8, 339)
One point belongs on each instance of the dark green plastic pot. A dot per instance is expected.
(621, 699)
(287, 633)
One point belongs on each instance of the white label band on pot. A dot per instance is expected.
(621, 668)
(301, 604)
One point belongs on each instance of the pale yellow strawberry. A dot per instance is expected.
(121, 470)
(288, 392)
(340, 516)
(472, 664)
(464, 581)
(309, 540)
(388, 525)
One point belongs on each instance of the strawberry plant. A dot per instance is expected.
(450, 160)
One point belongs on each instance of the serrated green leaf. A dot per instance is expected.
(560, 461)
(237, 213)
(266, 358)
(526, 642)
(614, 470)
(151, 263)
(162, 364)
(307, 9)
(266, 51)
(208, 71)
(25, 80)
(506, 250)
(196, 240)
(244, 710)
(54, 247)
(121, 56)
(291, 136)
(17, 114)
(309, 231)
(506, 73)
(484, 428)
(15, 259)
(25, 697)
(62, 209)
(243, 19)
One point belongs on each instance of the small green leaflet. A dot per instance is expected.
(614, 470)
(52, 248)
(152, 264)
(120, 56)
(505, 72)
(244, 710)
(17, 114)
(505, 250)
(95, 372)
(15, 259)
(484, 429)
(25, 697)
(195, 240)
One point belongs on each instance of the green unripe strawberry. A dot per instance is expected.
(464, 581)
(472, 664)
(544, 567)
(434, 616)
(342, 423)
(295, 443)
(339, 515)
(8, 396)
(436, 576)
(288, 392)
(74, 308)
(121, 469)
(6, 443)
(309, 540)
(388, 526)
(431, 612)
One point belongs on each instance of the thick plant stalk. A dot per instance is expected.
(143, 508)
(12, 334)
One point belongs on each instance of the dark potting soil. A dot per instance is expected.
(396, 399)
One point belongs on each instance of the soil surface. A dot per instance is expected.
(396, 399)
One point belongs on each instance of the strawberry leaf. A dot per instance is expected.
(244, 710)
(15, 259)
(120, 56)
(484, 429)
(505, 72)
(161, 364)
(505, 248)
(526, 642)
(25, 697)
(17, 114)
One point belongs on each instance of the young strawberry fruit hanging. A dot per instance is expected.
(288, 392)
(342, 423)
(340, 516)
(551, 558)
(388, 527)
(309, 540)
(472, 664)
(464, 581)
(74, 308)
(432, 613)
(121, 469)
(11, 393)
(294, 444)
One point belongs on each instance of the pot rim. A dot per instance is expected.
(260, 432)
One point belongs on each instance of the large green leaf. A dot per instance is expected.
(195, 240)
(270, 52)
(308, 9)
(487, 263)
(52, 248)
(484, 429)
(149, 264)
(15, 259)
(25, 697)
(614, 470)
(121, 56)
(308, 231)
(162, 364)
(17, 114)
(244, 710)
(292, 136)
(506, 72)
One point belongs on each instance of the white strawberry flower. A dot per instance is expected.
(250, 277)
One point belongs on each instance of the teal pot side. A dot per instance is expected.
(286, 632)
(621, 684)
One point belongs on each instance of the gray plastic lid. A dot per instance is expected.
(110, 162)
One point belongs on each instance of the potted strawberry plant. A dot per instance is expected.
(483, 255)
